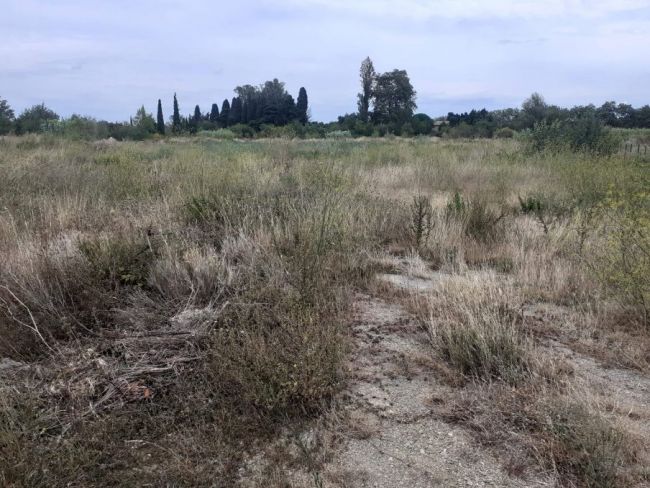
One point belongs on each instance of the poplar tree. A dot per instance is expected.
(368, 76)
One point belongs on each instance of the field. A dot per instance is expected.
(372, 312)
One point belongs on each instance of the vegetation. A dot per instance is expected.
(176, 307)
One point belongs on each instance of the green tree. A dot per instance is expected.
(6, 117)
(144, 121)
(214, 113)
(235, 116)
(198, 116)
(34, 118)
(176, 117)
(302, 106)
(367, 74)
(160, 121)
(534, 109)
(393, 98)
(225, 113)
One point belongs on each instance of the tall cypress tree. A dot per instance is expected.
(302, 106)
(214, 113)
(225, 113)
(160, 122)
(176, 117)
(197, 115)
(235, 111)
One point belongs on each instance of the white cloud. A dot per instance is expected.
(458, 9)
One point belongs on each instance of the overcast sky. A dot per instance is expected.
(105, 58)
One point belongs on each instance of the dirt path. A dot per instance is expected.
(398, 442)
(394, 439)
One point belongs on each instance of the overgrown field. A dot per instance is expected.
(167, 308)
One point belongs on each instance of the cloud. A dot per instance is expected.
(427, 9)
(107, 58)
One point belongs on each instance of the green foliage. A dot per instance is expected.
(176, 117)
(422, 124)
(586, 134)
(34, 118)
(224, 116)
(367, 75)
(421, 220)
(393, 98)
(214, 113)
(479, 221)
(160, 120)
(339, 134)
(585, 447)
(6, 117)
(77, 127)
(118, 261)
(621, 257)
(504, 133)
(302, 106)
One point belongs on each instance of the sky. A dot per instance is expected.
(107, 58)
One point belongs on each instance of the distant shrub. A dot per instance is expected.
(224, 134)
(585, 134)
(243, 131)
(338, 134)
(504, 133)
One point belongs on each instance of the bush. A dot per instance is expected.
(338, 134)
(224, 134)
(620, 254)
(585, 134)
(584, 446)
(478, 220)
(504, 133)
(474, 326)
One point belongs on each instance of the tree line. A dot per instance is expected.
(386, 104)
(253, 107)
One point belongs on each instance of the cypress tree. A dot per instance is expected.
(235, 111)
(160, 122)
(197, 115)
(176, 118)
(225, 113)
(214, 113)
(302, 106)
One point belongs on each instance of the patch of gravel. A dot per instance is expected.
(389, 395)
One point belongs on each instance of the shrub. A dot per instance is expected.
(620, 255)
(504, 133)
(338, 134)
(584, 446)
(119, 261)
(474, 326)
(421, 220)
(479, 221)
(585, 134)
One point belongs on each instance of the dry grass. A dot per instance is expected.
(179, 304)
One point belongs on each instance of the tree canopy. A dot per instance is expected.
(33, 119)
